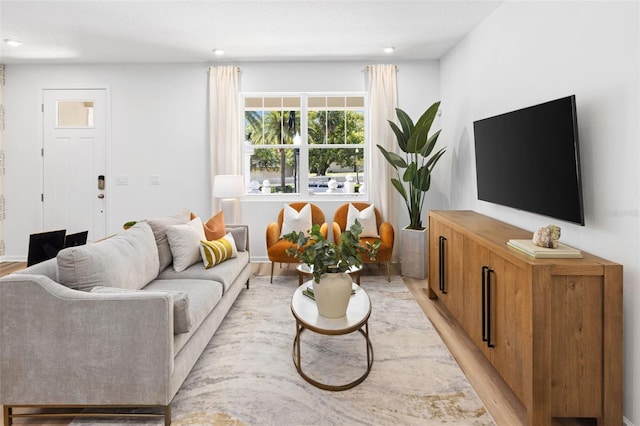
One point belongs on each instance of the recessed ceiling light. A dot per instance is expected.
(14, 43)
(389, 49)
(218, 52)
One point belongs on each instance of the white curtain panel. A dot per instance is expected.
(224, 144)
(383, 99)
(2, 206)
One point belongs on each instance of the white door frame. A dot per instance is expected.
(108, 174)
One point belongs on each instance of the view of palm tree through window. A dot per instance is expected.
(299, 143)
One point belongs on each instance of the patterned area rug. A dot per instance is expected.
(246, 375)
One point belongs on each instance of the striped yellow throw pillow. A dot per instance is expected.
(217, 251)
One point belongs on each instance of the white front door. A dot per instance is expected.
(74, 161)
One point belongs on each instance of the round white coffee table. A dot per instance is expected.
(305, 270)
(306, 314)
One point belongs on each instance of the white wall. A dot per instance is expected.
(159, 127)
(529, 52)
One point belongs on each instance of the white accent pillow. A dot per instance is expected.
(299, 221)
(367, 219)
(184, 241)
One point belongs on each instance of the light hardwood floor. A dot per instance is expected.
(496, 395)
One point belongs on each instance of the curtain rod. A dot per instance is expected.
(369, 67)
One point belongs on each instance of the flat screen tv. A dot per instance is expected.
(528, 159)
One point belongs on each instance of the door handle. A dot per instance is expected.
(441, 245)
(489, 343)
(484, 303)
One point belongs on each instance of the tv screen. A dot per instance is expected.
(529, 160)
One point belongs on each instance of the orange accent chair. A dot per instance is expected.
(385, 230)
(277, 247)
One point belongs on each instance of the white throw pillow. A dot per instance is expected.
(184, 241)
(367, 219)
(296, 221)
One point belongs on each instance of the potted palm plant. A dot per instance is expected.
(413, 180)
(329, 263)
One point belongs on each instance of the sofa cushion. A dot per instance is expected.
(225, 273)
(159, 226)
(184, 241)
(239, 234)
(203, 298)
(181, 314)
(127, 260)
(217, 251)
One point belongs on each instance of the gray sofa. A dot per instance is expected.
(111, 323)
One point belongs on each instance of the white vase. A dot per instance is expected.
(332, 294)
(414, 252)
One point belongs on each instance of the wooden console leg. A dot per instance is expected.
(432, 294)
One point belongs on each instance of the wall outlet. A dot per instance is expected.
(154, 180)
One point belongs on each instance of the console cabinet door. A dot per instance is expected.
(447, 283)
(475, 257)
(498, 313)
(510, 313)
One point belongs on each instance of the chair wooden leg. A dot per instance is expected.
(389, 271)
(272, 265)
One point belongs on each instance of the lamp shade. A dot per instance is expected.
(228, 186)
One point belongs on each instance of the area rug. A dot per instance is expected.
(246, 375)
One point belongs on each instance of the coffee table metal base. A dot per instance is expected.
(297, 362)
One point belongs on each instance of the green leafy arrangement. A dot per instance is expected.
(326, 256)
(418, 161)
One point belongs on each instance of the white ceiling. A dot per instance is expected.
(143, 31)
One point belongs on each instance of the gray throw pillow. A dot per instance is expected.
(239, 236)
(159, 227)
(127, 260)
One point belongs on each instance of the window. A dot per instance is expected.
(304, 143)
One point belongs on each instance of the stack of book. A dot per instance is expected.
(562, 251)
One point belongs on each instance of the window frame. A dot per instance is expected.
(305, 147)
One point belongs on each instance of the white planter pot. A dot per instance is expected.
(414, 253)
(332, 294)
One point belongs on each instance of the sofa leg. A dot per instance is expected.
(272, 265)
(7, 412)
(247, 284)
(167, 414)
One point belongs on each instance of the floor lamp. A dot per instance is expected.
(229, 188)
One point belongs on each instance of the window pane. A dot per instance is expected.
(317, 127)
(354, 133)
(272, 120)
(75, 114)
(276, 170)
(339, 164)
